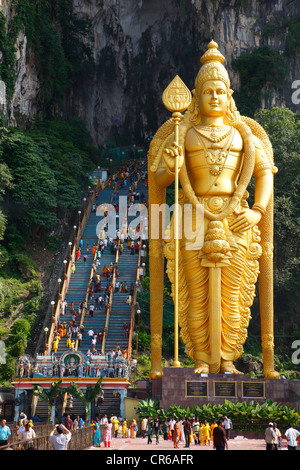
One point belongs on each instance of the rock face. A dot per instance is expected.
(139, 46)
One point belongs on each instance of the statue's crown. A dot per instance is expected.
(212, 54)
(212, 67)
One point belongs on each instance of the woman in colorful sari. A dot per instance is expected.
(124, 428)
(107, 434)
(176, 434)
(133, 429)
(97, 436)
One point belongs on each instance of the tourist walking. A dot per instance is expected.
(176, 434)
(212, 427)
(172, 424)
(156, 428)
(133, 429)
(187, 428)
(144, 427)
(107, 434)
(97, 436)
(165, 429)
(228, 426)
(124, 428)
(219, 433)
(277, 440)
(291, 435)
(26, 436)
(149, 431)
(205, 433)
(68, 423)
(270, 437)
(5, 433)
(196, 427)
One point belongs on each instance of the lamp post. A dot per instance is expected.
(52, 303)
(134, 363)
(74, 228)
(59, 294)
(46, 333)
(138, 312)
(65, 268)
(70, 249)
(79, 223)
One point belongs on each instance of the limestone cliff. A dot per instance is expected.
(139, 46)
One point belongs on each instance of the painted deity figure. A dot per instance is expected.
(218, 152)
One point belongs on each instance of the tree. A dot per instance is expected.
(48, 396)
(263, 66)
(33, 196)
(5, 183)
(88, 397)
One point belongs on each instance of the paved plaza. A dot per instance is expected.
(140, 445)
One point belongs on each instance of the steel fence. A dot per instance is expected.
(81, 439)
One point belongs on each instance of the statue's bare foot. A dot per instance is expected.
(201, 368)
(227, 366)
(272, 374)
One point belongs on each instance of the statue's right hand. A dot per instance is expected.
(170, 154)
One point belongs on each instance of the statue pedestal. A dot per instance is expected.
(181, 386)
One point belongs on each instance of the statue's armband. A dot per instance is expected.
(262, 163)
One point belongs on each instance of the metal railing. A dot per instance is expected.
(81, 439)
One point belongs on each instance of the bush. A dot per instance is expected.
(240, 413)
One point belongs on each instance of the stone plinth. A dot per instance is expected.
(181, 386)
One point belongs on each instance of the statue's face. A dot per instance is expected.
(213, 99)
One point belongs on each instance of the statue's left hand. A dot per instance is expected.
(245, 221)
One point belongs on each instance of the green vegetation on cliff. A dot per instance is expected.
(43, 173)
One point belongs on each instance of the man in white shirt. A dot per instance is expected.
(92, 308)
(291, 435)
(59, 437)
(227, 425)
(91, 334)
(104, 420)
(63, 307)
(172, 424)
(27, 435)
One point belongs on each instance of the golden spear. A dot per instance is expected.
(176, 98)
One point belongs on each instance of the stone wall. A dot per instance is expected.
(172, 388)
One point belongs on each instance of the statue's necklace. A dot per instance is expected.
(217, 158)
(213, 133)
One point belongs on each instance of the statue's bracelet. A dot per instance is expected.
(259, 207)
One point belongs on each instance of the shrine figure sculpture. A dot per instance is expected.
(218, 152)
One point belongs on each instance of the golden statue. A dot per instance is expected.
(213, 152)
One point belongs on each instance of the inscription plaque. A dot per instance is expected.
(253, 389)
(196, 389)
(225, 389)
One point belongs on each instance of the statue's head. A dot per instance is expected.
(212, 95)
